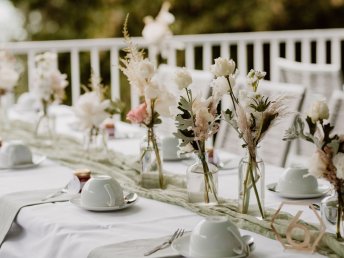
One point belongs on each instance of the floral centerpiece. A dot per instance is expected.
(198, 121)
(49, 84)
(156, 101)
(10, 70)
(251, 115)
(328, 159)
(92, 108)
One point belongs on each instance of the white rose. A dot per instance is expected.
(90, 111)
(8, 78)
(145, 69)
(220, 87)
(182, 78)
(319, 111)
(317, 165)
(338, 162)
(223, 67)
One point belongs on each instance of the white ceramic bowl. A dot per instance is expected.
(294, 180)
(102, 191)
(216, 236)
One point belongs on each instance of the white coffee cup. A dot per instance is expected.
(15, 153)
(102, 191)
(296, 181)
(170, 147)
(216, 236)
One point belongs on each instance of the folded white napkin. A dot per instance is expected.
(10, 205)
(134, 249)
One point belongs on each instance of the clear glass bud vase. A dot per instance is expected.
(202, 181)
(332, 213)
(94, 139)
(251, 185)
(151, 161)
(45, 126)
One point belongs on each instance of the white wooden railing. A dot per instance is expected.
(250, 50)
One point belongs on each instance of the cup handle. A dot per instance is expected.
(243, 251)
(111, 194)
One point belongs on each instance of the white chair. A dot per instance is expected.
(320, 80)
(336, 107)
(273, 150)
(200, 85)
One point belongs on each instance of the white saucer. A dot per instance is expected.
(36, 160)
(181, 245)
(322, 189)
(77, 202)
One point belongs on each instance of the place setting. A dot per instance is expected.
(103, 193)
(211, 237)
(296, 183)
(16, 155)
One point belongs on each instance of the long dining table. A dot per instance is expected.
(61, 229)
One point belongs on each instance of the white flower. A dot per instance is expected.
(220, 87)
(166, 104)
(8, 78)
(317, 165)
(182, 78)
(338, 162)
(152, 90)
(90, 110)
(223, 67)
(253, 77)
(145, 69)
(319, 111)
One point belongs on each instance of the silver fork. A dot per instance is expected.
(176, 234)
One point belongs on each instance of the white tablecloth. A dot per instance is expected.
(64, 230)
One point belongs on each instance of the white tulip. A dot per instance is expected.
(182, 78)
(223, 67)
(319, 111)
(152, 90)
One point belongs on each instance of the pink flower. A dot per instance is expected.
(138, 115)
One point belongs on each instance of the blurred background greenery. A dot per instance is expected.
(67, 19)
(84, 19)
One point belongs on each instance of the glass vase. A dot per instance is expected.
(202, 182)
(331, 206)
(94, 139)
(251, 184)
(151, 161)
(45, 126)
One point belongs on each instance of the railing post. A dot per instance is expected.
(75, 75)
(190, 56)
(31, 68)
(207, 56)
(242, 58)
(115, 76)
(274, 53)
(95, 66)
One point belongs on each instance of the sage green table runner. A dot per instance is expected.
(125, 169)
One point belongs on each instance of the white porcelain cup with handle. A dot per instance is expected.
(216, 236)
(102, 191)
(294, 180)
